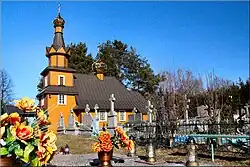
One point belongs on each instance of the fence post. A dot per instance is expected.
(212, 151)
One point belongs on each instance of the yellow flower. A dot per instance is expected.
(48, 140)
(43, 155)
(96, 147)
(42, 118)
(130, 145)
(21, 132)
(46, 147)
(2, 130)
(4, 118)
(25, 104)
(14, 118)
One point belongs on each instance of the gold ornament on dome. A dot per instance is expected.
(59, 21)
(99, 66)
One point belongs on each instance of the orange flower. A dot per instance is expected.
(25, 104)
(46, 147)
(96, 147)
(48, 140)
(105, 136)
(124, 137)
(126, 142)
(3, 119)
(43, 155)
(14, 118)
(130, 145)
(42, 118)
(21, 132)
(119, 130)
(107, 146)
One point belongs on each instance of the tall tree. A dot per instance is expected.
(6, 88)
(128, 67)
(40, 85)
(80, 60)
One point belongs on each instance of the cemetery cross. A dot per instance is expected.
(134, 111)
(96, 112)
(87, 109)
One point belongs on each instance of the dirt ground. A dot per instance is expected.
(83, 145)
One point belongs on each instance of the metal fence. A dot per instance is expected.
(226, 137)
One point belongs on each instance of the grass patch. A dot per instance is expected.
(77, 144)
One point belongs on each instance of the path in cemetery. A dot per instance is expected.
(87, 159)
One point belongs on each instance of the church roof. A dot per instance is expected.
(55, 89)
(88, 89)
(93, 91)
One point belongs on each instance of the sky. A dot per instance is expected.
(199, 36)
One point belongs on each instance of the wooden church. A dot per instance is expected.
(66, 90)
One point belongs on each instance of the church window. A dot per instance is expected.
(62, 99)
(103, 115)
(61, 80)
(45, 81)
(122, 115)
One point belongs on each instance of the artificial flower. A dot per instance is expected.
(130, 145)
(124, 137)
(2, 130)
(25, 104)
(42, 118)
(107, 146)
(119, 130)
(14, 118)
(21, 131)
(48, 140)
(104, 136)
(96, 147)
(3, 119)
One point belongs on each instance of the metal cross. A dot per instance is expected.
(149, 108)
(59, 8)
(112, 104)
(112, 98)
(87, 109)
(135, 110)
(96, 108)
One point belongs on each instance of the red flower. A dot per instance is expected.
(106, 146)
(105, 136)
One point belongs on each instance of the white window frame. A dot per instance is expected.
(59, 76)
(64, 99)
(45, 81)
(122, 111)
(104, 116)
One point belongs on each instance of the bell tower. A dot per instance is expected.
(58, 54)
(58, 93)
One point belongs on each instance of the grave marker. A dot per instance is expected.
(149, 107)
(112, 118)
(87, 118)
(71, 121)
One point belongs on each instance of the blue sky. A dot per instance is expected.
(200, 36)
